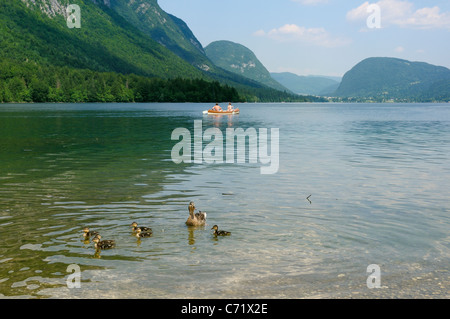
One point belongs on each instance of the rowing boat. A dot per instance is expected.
(210, 112)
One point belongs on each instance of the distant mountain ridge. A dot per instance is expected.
(391, 78)
(311, 84)
(236, 58)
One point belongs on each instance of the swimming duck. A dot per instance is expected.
(198, 219)
(144, 229)
(104, 244)
(141, 234)
(218, 232)
(88, 233)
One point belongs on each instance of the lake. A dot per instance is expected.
(356, 185)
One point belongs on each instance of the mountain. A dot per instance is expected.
(312, 84)
(174, 34)
(124, 51)
(239, 59)
(166, 29)
(124, 36)
(392, 78)
(35, 31)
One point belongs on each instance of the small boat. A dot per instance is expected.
(236, 111)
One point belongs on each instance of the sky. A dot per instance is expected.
(322, 37)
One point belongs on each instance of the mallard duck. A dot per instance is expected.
(87, 233)
(142, 228)
(198, 219)
(218, 232)
(104, 244)
(141, 234)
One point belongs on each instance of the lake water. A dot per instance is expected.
(357, 185)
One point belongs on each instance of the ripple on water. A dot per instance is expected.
(378, 195)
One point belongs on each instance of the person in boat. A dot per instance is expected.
(230, 108)
(217, 108)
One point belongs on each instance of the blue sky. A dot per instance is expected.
(322, 37)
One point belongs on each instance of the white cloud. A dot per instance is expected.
(259, 33)
(429, 18)
(399, 49)
(403, 13)
(312, 36)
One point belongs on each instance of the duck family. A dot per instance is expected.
(194, 219)
(198, 219)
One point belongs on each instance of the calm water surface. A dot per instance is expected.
(378, 176)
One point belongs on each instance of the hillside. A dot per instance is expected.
(164, 28)
(36, 32)
(108, 58)
(175, 35)
(396, 79)
(239, 59)
(314, 85)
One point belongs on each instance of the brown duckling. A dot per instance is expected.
(142, 228)
(198, 219)
(104, 244)
(142, 234)
(87, 233)
(218, 232)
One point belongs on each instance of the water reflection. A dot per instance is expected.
(379, 195)
(222, 120)
(191, 233)
(398, 141)
(78, 168)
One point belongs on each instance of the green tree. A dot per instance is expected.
(39, 90)
(19, 91)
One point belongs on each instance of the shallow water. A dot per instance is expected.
(378, 176)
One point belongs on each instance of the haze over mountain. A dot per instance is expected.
(310, 85)
(392, 78)
(241, 60)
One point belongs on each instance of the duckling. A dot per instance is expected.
(141, 234)
(88, 233)
(144, 229)
(218, 232)
(198, 219)
(104, 244)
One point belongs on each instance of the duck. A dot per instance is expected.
(218, 232)
(141, 234)
(198, 219)
(87, 233)
(142, 228)
(104, 244)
